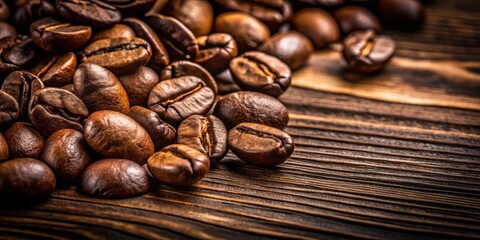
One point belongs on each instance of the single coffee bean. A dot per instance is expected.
(260, 72)
(32, 10)
(196, 15)
(292, 48)
(25, 180)
(4, 11)
(24, 141)
(99, 89)
(7, 30)
(248, 32)
(9, 110)
(176, 99)
(89, 12)
(66, 153)
(52, 109)
(354, 18)
(159, 57)
(318, 25)
(139, 85)
(225, 82)
(117, 31)
(216, 51)
(114, 178)
(179, 165)
(116, 135)
(162, 133)
(367, 52)
(119, 55)
(130, 8)
(54, 35)
(3, 149)
(21, 85)
(206, 134)
(260, 145)
(245, 106)
(185, 68)
(56, 70)
(178, 39)
(16, 53)
(402, 14)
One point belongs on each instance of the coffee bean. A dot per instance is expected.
(16, 53)
(53, 109)
(354, 18)
(185, 68)
(292, 48)
(115, 135)
(318, 25)
(21, 85)
(32, 10)
(89, 12)
(178, 165)
(114, 178)
(116, 31)
(260, 72)
(176, 99)
(225, 82)
(245, 106)
(4, 11)
(119, 55)
(196, 15)
(260, 145)
(3, 149)
(367, 52)
(206, 134)
(216, 51)
(24, 141)
(178, 39)
(248, 32)
(54, 35)
(159, 57)
(99, 89)
(9, 110)
(139, 84)
(66, 153)
(56, 70)
(7, 30)
(25, 180)
(162, 133)
(130, 8)
(402, 14)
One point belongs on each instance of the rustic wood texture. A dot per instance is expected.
(392, 156)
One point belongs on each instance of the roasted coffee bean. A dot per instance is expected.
(178, 39)
(32, 10)
(132, 7)
(66, 153)
(115, 178)
(206, 134)
(99, 89)
(367, 52)
(139, 85)
(248, 32)
(272, 13)
(24, 141)
(3, 149)
(403, 14)
(292, 48)
(89, 12)
(9, 110)
(261, 72)
(196, 15)
(178, 165)
(255, 107)
(159, 57)
(115, 135)
(225, 82)
(56, 70)
(176, 99)
(186, 68)
(4, 11)
(21, 85)
(216, 51)
(54, 35)
(162, 133)
(119, 55)
(16, 53)
(260, 145)
(318, 25)
(117, 31)
(25, 180)
(53, 109)
(354, 18)
(7, 30)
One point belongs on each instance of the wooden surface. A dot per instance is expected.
(394, 156)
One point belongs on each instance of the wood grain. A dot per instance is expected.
(391, 156)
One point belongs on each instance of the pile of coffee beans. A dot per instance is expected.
(113, 95)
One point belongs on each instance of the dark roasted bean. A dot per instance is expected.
(7, 30)
(139, 85)
(21, 85)
(9, 110)
(16, 53)
(186, 68)
(354, 18)
(56, 70)
(132, 7)
(196, 15)
(89, 12)
(216, 51)
(4, 11)
(292, 48)
(117, 31)
(225, 82)
(24, 141)
(402, 14)
(318, 25)
(32, 10)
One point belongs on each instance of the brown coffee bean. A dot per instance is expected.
(116, 31)
(318, 25)
(3, 149)
(216, 51)
(30, 11)
(225, 82)
(114, 178)
(16, 53)
(139, 85)
(89, 12)
(354, 18)
(4, 11)
(99, 89)
(21, 85)
(185, 68)
(9, 110)
(292, 48)
(178, 165)
(115, 135)
(7, 30)
(130, 8)
(56, 70)
(260, 145)
(196, 15)
(24, 141)
(66, 153)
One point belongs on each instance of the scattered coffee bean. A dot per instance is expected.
(32, 10)
(16, 53)
(4, 11)
(186, 68)
(89, 12)
(216, 51)
(4, 153)
(130, 8)
(7, 30)
(354, 18)
(24, 141)
(117, 31)
(9, 110)
(196, 15)
(225, 82)
(318, 25)
(139, 85)
(21, 85)
(56, 70)
(292, 48)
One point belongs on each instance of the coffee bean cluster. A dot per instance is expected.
(112, 95)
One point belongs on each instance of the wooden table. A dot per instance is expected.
(394, 156)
